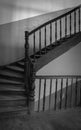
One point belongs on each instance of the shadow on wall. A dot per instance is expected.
(72, 99)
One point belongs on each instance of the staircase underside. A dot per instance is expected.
(56, 50)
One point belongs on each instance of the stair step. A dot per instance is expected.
(12, 103)
(12, 93)
(12, 98)
(9, 90)
(14, 69)
(19, 64)
(13, 78)
(10, 87)
(8, 81)
(7, 104)
(21, 61)
(13, 109)
(6, 72)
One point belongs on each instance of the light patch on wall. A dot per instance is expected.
(20, 13)
(19, 9)
(67, 64)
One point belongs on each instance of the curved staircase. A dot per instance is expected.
(12, 89)
(13, 94)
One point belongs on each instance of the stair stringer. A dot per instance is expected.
(57, 51)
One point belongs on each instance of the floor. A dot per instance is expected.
(69, 119)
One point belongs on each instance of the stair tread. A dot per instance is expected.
(12, 109)
(3, 81)
(9, 76)
(10, 98)
(6, 82)
(20, 64)
(15, 68)
(9, 88)
(4, 72)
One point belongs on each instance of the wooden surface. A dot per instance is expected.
(58, 51)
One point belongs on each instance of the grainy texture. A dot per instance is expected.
(69, 119)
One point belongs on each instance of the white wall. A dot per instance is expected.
(12, 10)
(67, 64)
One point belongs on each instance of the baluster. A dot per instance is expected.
(55, 95)
(79, 19)
(39, 95)
(34, 45)
(66, 93)
(45, 39)
(71, 92)
(50, 33)
(40, 41)
(76, 85)
(55, 31)
(65, 26)
(74, 21)
(70, 24)
(50, 93)
(61, 93)
(60, 29)
(44, 94)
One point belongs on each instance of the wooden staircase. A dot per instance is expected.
(14, 78)
(12, 89)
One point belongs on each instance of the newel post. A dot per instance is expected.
(80, 94)
(26, 64)
(29, 76)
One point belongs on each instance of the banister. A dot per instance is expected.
(56, 76)
(58, 92)
(30, 75)
(55, 19)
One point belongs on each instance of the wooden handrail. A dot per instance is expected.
(57, 28)
(56, 76)
(37, 52)
(55, 19)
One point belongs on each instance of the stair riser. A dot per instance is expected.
(11, 88)
(14, 70)
(3, 83)
(13, 113)
(12, 74)
(11, 78)
(19, 65)
(12, 93)
(12, 103)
